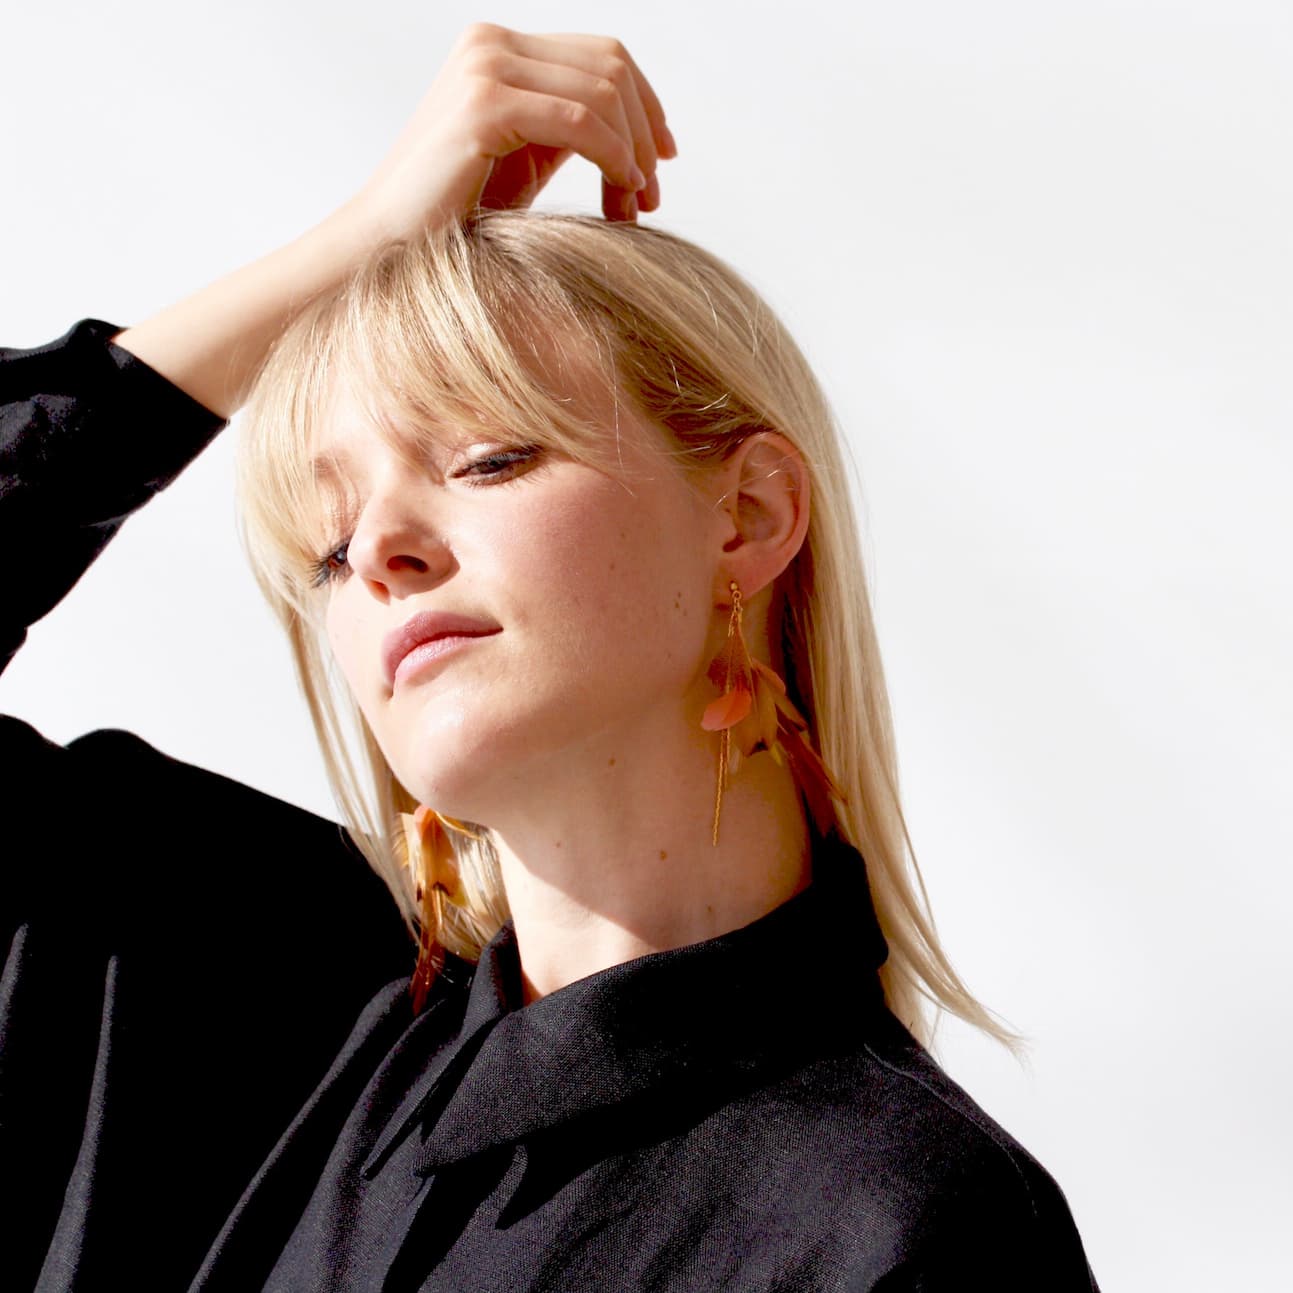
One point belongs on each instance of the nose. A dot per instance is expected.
(396, 549)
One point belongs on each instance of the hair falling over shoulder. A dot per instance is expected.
(496, 321)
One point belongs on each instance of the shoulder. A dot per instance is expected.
(222, 855)
(912, 1183)
(949, 1137)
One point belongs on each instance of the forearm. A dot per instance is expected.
(212, 344)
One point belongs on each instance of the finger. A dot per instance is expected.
(606, 57)
(617, 69)
(666, 146)
(664, 140)
(517, 117)
(644, 148)
(618, 204)
(617, 104)
(649, 198)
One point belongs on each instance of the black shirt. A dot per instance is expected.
(211, 1076)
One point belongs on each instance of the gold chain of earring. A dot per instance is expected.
(734, 629)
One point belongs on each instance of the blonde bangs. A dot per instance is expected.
(432, 348)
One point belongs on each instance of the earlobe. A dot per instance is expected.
(767, 502)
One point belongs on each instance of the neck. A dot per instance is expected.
(627, 866)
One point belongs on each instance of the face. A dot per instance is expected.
(597, 594)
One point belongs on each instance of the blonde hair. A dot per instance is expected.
(489, 323)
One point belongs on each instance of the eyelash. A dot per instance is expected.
(322, 573)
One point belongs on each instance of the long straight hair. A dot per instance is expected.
(493, 323)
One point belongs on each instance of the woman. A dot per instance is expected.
(563, 505)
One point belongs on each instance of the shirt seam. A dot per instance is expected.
(978, 1125)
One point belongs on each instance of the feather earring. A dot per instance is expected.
(430, 859)
(754, 713)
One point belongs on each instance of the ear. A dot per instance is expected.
(764, 512)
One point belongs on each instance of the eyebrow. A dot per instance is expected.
(329, 465)
(322, 468)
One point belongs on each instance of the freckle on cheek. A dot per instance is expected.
(610, 763)
(663, 855)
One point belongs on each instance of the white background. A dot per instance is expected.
(1040, 254)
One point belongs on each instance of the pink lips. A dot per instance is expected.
(429, 634)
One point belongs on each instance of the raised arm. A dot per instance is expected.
(89, 433)
(506, 110)
(174, 988)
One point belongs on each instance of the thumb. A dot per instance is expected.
(516, 179)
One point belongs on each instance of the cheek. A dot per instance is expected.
(606, 594)
(354, 650)
(622, 581)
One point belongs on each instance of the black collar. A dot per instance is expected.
(695, 1022)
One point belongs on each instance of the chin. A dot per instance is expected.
(479, 755)
(458, 790)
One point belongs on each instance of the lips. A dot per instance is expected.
(427, 627)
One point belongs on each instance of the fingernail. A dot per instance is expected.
(670, 144)
(637, 181)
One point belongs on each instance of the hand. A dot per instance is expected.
(505, 112)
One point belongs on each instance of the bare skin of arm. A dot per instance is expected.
(504, 113)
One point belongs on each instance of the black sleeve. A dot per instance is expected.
(182, 955)
(1012, 1232)
(88, 434)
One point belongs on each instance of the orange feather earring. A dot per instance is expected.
(754, 713)
(430, 859)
